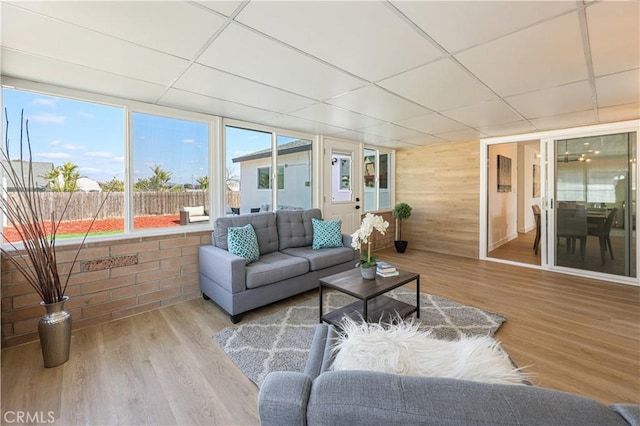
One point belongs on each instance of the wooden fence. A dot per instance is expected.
(84, 205)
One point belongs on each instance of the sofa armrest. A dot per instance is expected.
(319, 359)
(283, 399)
(223, 268)
(629, 412)
(346, 240)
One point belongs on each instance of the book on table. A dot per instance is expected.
(387, 274)
(386, 267)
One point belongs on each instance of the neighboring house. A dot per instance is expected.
(39, 170)
(293, 181)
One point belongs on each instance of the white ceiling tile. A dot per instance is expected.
(274, 64)
(457, 25)
(618, 89)
(208, 105)
(572, 119)
(440, 86)
(364, 38)
(371, 139)
(547, 55)
(614, 36)
(376, 102)
(462, 135)
(138, 22)
(220, 85)
(76, 45)
(432, 123)
(619, 113)
(517, 127)
(424, 140)
(335, 116)
(63, 74)
(284, 121)
(484, 114)
(557, 100)
(391, 131)
(224, 7)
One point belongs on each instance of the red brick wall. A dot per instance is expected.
(111, 280)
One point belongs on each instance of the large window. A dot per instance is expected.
(76, 147)
(249, 178)
(170, 169)
(80, 147)
(377, 173)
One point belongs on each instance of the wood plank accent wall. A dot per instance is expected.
(118, 279)
(442, 184)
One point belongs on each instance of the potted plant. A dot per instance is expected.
(362, 236)
(400, 212)
(22, 208)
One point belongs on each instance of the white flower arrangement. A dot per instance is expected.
(362, 236)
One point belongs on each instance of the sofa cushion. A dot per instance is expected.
(264, 225)
(295, 228)
(326, 234)
(402, 348)
(323, 258)
(274, 267)
(242, 241)
(194, 211)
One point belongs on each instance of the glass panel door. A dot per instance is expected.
(594, 210)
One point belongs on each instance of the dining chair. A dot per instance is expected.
(572, 225)
(536, 216)
(603, 231)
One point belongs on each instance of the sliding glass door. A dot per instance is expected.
(595, 203)
(563, 200)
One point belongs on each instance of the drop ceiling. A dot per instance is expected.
(390, 73)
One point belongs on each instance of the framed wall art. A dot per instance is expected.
(504, 174)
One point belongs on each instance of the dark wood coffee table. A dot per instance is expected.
(372, 305)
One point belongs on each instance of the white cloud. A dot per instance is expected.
(53, 155)
(73, 147)
(55, 142)
(47, 118)
(99, 154)
(44, 102)
(188, 141)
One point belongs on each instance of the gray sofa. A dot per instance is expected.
(322, 397)
(288, 264)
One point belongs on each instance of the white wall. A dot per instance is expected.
(502, 211)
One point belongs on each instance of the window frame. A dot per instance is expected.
(129, 107)
(376, 189)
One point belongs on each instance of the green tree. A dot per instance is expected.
(114, 185)
(157, 182)
(63, 178)
(203, 182)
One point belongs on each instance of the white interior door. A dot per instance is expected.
(342, 183)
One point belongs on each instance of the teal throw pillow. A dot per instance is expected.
(326, 233)
(242, 241)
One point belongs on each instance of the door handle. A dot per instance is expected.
(357, 207)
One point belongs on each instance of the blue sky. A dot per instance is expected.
(91, 136)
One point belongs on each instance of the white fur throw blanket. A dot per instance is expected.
(403, 349)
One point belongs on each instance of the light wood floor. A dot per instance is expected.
(163, 367)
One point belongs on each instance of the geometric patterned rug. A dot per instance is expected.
(281, 341)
